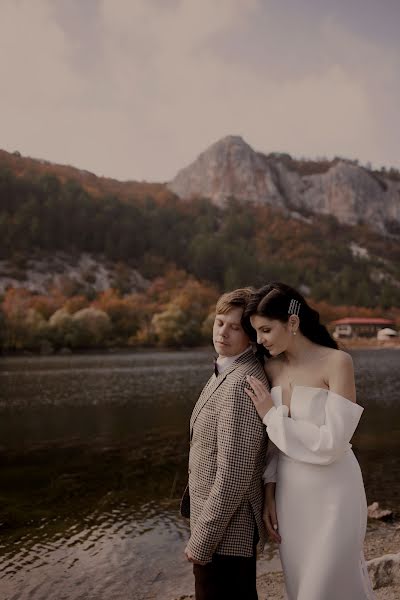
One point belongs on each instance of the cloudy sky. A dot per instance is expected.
(136, 89)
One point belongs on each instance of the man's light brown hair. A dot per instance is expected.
(234, 299)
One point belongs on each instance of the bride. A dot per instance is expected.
(315, 505)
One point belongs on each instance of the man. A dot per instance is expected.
(227, 454)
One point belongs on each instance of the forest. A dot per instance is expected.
(188, 251)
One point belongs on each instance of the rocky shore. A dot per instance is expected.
(382, 553)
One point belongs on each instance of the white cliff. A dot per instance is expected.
(351, 193)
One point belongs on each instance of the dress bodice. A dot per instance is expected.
(306, 403)
(320, 425)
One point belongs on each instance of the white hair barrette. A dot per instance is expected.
(294, 307)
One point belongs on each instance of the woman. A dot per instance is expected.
(317, 508)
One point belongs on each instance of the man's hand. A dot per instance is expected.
(192, 559)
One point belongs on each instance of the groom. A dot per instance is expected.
(227, 453)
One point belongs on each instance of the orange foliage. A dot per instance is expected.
(93, 184)
(196, 297)
(16, 302)
(182, 290)
(75, 303)
(126, 314)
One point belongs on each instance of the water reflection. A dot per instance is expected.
(93, 458)
(105, 553)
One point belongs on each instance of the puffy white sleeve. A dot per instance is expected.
(271, 463)
(310, 443)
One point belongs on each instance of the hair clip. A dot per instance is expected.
(294, 307)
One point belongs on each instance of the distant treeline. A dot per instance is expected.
(176, 310)
(226, 248)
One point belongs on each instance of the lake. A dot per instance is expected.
(93, 455)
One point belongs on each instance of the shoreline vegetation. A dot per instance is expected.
(175, 311)
(356, 343)
(111, 264)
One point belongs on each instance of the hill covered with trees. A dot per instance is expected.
(188, 252)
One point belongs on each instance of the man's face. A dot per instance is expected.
(228, 335)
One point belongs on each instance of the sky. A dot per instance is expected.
(137, 89)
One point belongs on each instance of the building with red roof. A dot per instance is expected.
(360, 326)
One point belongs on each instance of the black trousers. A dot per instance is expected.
(226, 578)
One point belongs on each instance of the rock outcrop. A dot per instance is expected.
(81, 274)
(385, 570)
(376, 512)
(351, 193)
(229, 168)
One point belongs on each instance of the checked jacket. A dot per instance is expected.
(227, 456)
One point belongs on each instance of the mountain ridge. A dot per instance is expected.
(230, 168)
(230, 246)
(342, 188)
(95, 185)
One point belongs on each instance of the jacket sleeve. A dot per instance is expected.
(240, 434)
(306, 442)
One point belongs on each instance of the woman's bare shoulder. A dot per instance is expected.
(341, 374)
(340, 358)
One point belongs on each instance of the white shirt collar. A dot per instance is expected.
(224, 362)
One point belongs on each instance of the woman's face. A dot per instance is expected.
(274, 335)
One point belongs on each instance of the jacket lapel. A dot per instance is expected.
(213, 384)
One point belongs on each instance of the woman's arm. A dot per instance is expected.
(269, 512)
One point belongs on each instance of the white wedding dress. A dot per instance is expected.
(320, 497)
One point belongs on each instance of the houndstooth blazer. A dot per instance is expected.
(226, 460)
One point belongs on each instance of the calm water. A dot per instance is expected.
(93, 455)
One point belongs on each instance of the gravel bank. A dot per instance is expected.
(381, 538)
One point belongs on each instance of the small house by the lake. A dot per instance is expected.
(359, 326)
(386, 334)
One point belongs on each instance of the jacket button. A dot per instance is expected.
(189, 471)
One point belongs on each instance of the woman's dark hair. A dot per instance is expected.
(273, 301)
